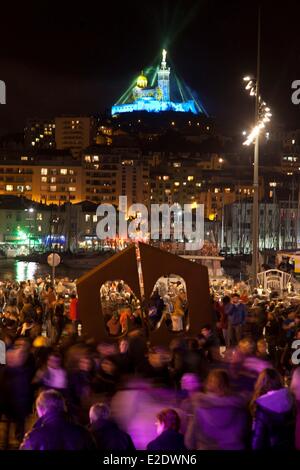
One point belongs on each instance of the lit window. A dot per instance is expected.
(95, 218)
(176, 183)
(96, 158)
(39, 216)
(33, 143)
(39, 228)
(44, 179)
(20, 188)
(87, 158)
(87, 217)
(273, 184)
(217, 190)
(198, 185)
(165, 178)
(190, 178)
(207, 128)
(227, 190)
(71, 172)
(176, 164)
(72, 188)
(53, 179)
(9, 187)
(44, 171)
(24, 158)
(221, 160)
(53, 188)
(63, 171)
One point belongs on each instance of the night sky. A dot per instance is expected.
(70, 57)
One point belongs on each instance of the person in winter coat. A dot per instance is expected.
(236, 319)
(220, 420)
(106, 433)
(272, 408)
(169, 438)
(53, 431)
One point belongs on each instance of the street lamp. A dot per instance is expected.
(262, 116)
(262, 112)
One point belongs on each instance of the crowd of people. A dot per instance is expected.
(234, 386)
(123, 311)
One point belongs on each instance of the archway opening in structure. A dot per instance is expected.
(169, 303)
(121, 309)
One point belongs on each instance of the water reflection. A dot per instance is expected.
(21, 270)
(25, 270)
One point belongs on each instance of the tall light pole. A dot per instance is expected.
(255, 222)
(262, 116)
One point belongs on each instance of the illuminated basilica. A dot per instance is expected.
(154, 99)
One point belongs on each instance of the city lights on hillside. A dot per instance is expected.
(264, 112)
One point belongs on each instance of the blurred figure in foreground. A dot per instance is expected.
(220, 419)
(52, 431)
(295, 389)
(106, 433)
(169, 438)
(272, 411)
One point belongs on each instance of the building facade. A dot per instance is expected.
(74, 133)
(43, 176)
(113, 173)
(40, 133)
